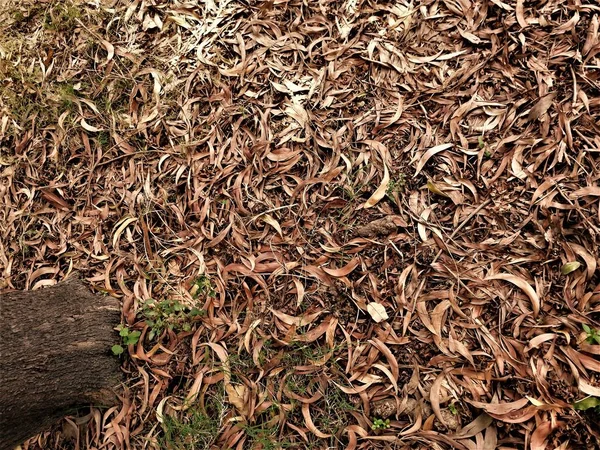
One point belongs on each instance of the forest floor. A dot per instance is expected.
(331, 224)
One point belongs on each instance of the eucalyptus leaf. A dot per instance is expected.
(570, 267)
(586, 403)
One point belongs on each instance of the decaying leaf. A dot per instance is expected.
(429, 153)
(540, 108)
(237, 395)
(526, 287)
(377, 312)
(86, 126)
(381, 190)
(381, 227)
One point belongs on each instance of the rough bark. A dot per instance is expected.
(54, 356)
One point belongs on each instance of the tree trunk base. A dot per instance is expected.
(54, 356)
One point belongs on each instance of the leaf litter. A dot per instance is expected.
(383, 210)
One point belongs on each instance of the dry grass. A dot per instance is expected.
(231, 155)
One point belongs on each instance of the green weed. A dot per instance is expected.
(127, 337)
(202, 286)
(239, 364)
(588, 403)
(168, 314)
(452, 408)
(195, 430)
(481, 142)
(265, 437)
(396, 186)
(67, 95)
(380, 424)
(103, 139)
(593, 335)
(332, 412)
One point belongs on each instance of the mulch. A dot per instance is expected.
(384, 211)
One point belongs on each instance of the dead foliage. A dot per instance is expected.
(233, 157)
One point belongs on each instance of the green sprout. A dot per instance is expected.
(202, 286)
(380, 424)
(453, 409)
(168, 314)
(593, 335)
(127, 337)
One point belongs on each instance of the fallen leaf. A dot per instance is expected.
(381, 190)
(570, 267)
(344, 270)
(586, 403)
(377, 312)
(588, 389)
(540, 108)
(86, 126)
(429, 153)
(526, 287)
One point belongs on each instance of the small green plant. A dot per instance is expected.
(168, 314)
(481, 142)
(197, 427)
(453, 409)
(239, 364)
(593, 335)
(18, 17)
(67, 96)
(127, 337)
(482, 145)
(103, 139)
(297, 383)
(380, 424)
(265, 437)
(396, 186)
(194, 430)
(202, 286)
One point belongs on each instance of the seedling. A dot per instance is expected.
(103, 139)
(380, 424)
(62, 19)
(453, 409)
(168, 314)
(202, 286)
(396, 186)
(127, 337)
(481, 142)
(593, 335)
(265, 437)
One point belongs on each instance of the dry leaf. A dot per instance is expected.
(526, 287)
(377, 312)
(429, 153)
(381, 190)
(540, 108)
(237, 395)
(86, 126)
(344, 270)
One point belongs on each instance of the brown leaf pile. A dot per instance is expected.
(382, 195)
